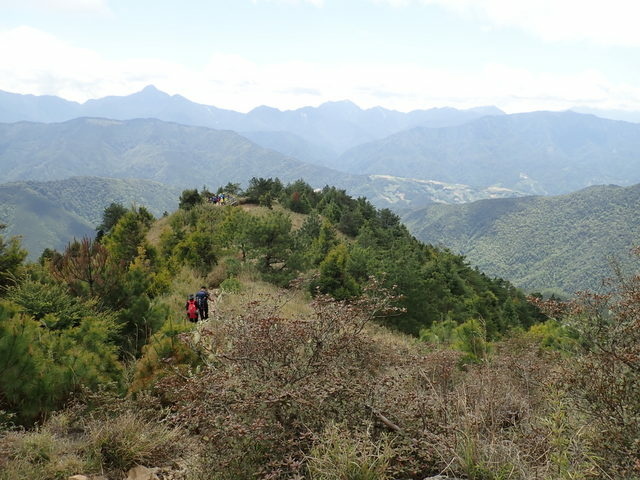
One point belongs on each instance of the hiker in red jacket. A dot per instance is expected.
(192, 309)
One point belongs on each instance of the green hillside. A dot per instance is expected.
(103, 376)
(150, 149)
(79, 203)
(433, 282)
(88, 196)
(182, 156)
(40, 221)
(50, 214)
(564, 242)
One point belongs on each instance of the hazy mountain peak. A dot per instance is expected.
(152, 91)
(264, 109)
(487, 110)
(340, 105)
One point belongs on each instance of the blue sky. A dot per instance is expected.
(519, 55)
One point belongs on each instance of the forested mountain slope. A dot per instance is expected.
(180, 155)
(41, 222)
(50, 214)
(563, 242)
(88, 196)
(145, 148)
(538, 153)
(294, 146)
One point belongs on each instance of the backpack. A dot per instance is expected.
(192, 310)
(201, 299)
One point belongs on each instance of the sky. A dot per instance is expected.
(519, 55)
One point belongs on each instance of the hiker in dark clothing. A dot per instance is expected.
(202, 301)
(192, 309)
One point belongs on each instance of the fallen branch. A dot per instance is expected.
(384, 419)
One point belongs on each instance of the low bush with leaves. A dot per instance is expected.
(271, 383)
(604, 378)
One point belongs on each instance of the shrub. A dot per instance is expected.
(554, 335)
(471, 338)
(271, 382)
(231, 285)
(164, 353)
(189, 198)
(604, 377)
(11, 257)
(42, 301)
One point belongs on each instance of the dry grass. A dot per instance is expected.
(120, 443)
(340, 453)
(292, 304)
(71, 443)
(156, 230)
(40, 454)
(297, 219)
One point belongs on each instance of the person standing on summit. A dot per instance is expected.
(202, 300)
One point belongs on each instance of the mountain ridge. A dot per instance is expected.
(565, 241)
(182, 156)
(330, 124)
(537, 153)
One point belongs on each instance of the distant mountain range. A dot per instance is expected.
(563, 241)
(624, 115)
(535, 153)
(169, 153)
(332, 127)
(404, 161)
(187, 157)
(50, 214)
(540, 153)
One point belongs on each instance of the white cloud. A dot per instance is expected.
(32, 61)
(317, 3)
(614, 22)
(85, 6)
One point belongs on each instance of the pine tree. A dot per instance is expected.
(128, 234)
(334, 278)
(11, 258)
(83, 266)
(40, 368)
